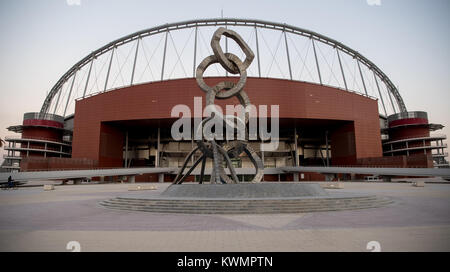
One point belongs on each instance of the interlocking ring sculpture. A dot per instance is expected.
(224, 151)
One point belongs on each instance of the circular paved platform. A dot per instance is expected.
(32, 219)
(244, 198)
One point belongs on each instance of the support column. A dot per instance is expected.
(70, 93)
(262, 158)
(192, 145)
(390, 99)
(257, 52)
(195, 52)
(57, 100)
(88, 77)
(317, 62)
(126, 149)
(287, 54)
(326, 142)
(164, 56)
(362, 78)
(109, 70)
(157, 148)
(379, 92)
(295, 153)
(135, 60)
(342, 70)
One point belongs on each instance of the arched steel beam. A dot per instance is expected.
(228, 22)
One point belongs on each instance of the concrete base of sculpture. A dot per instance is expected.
(244, 198)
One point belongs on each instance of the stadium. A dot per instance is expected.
(112, 109)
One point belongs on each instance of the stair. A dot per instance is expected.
(246, 206)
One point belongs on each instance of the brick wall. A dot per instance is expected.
(40, 163)
(155, 101)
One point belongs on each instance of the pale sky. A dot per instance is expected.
(41, 39)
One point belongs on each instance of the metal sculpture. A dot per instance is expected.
(224, 151)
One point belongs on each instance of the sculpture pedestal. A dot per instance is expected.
(244, 198)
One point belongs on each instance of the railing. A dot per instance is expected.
(433, 137)
(40, 116)
(376, 166)
(445, 154)
(415, 148)
(92, 168)
(6, 156)
(405, 115)
(10, 166)
(48, 140)
(38, 149)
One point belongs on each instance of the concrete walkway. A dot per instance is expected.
(35, 220)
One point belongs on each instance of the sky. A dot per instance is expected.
(41, 39)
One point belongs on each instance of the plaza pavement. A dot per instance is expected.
(32, 219)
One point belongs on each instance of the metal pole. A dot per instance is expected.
(88, 77)
(287, 53)
(135, 59)
(257, 51)
(195, 52)
(342, 70)
(70, 93)
(164, 56)
(362, 78)
(109, 69)
(317, 62)
(379, 92)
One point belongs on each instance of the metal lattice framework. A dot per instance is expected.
(329, 62)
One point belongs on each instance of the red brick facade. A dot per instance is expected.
(358, 137)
